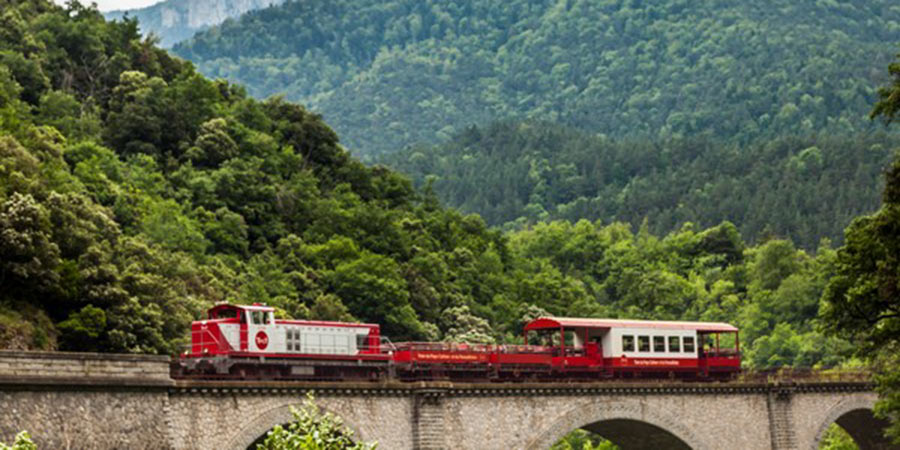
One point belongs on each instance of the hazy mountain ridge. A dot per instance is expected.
(387, 74)
(176, 20)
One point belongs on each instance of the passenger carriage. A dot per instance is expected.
(636, 348)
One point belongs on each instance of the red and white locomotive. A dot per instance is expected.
(248, 342)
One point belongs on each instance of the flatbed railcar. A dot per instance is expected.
(239, 342)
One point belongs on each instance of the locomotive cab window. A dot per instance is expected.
(643, 343)
(362, 341)
(226, 314)
(689, 344)
(674, 344)
(627, 343)
(659, 344)
(257, 317)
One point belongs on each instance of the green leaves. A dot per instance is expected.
(517, 174)
(30, 257)
(199, 194)
(23, 442)
(389, 73)
(312, 429)
(888, 105)
(82, 329)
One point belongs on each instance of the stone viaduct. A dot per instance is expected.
(91, 401)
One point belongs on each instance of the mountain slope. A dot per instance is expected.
(134, 193)
(520, 173)
(387, 74)
(177, 20)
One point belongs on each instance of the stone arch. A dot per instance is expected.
(856, 418)
(279, 415)
(617, 414)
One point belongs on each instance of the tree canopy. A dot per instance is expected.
(135, 193)
(387, 74)
(518, 173)
(862, 299)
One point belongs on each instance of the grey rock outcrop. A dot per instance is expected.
(175, 20)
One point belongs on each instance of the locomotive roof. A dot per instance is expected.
(266, 308)
(556, 322)
(245, 307)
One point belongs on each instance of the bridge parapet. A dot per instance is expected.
(58, 368)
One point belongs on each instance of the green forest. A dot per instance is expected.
(517, 174)
(135, 193)
(387, 74)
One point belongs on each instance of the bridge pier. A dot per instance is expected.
(781, 427)
(429, 431)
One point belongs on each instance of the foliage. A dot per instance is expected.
(514, 174)
(388, 74)
(583, 440)
(835, 438)
(312, 430)
(134, 193)
(861, 301)
(22, 442)
(888, 105)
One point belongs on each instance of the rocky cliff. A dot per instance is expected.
(176, 20)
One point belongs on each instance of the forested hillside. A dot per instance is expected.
(175, 20)
(517, 174)
(134, 193)
(387, 74)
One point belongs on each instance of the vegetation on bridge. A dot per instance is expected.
(22, 442)
(312, 429)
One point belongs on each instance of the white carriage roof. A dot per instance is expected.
(556, 322)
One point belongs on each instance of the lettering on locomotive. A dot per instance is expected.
(262, 340)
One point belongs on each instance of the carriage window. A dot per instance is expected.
(627, 343)
(689, 344)
(659, 344)
(674, 344)
(643, 343)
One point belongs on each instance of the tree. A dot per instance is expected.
(312, 430)
(888, 104)
(30, 257)
(81, 330)
(862, 300)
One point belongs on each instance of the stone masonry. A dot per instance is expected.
(90, 401)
